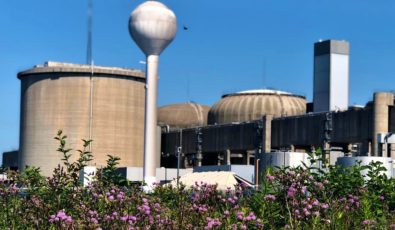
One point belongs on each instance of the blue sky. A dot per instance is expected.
(230, 45)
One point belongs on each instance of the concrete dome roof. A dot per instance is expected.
(253, 104)
(183, 115)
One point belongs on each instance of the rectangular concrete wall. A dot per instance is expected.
(218, 138)
(348, 127)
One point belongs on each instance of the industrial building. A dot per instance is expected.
(253, 104)
(104, 104)
(354, 131)
(117, 109)
(10, 160)
(244, 126)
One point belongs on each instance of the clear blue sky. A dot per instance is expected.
(230, 45)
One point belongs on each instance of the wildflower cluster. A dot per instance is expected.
(289, 198)
(61, 218)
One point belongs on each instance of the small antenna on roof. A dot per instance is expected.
(264, 73)
(89, 59)
(188, 89)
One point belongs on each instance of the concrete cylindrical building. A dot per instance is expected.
(104, 104)
(253, 104)
(381, 101)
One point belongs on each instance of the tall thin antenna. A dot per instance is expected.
(89, 61)
(264, 73)
(188, 89)
(89, 44)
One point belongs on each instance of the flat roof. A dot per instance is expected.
(331, 47)
(62, 67)
(262, 92)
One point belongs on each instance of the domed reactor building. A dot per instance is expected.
(173, 119)
(105, 104)
(204, 142)
(183, 115)
(253, 104)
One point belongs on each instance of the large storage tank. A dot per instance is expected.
(253, 104)
(183, 115)
(105, 104)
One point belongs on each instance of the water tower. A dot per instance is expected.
(152, 26)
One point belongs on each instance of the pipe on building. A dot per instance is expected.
(257, 171)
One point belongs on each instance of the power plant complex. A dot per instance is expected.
(253, 128)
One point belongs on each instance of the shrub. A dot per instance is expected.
(290, 198)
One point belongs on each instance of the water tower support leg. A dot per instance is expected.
(150, 122)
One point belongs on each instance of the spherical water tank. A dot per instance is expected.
(60, 96)
(253, 104)
(152, 26)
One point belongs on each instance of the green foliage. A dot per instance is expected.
(109, 174)
(305, 197)
(72, 168)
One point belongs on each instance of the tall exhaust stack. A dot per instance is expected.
(331, 75)
(152, 26)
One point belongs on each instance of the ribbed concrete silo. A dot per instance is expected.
(102, 103)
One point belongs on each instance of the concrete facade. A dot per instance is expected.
(100, 103)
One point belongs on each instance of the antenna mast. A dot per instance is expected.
(188, 89)
(264, 73)
(89, 44)
(89, 61)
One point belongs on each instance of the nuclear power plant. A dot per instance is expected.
(246, 131)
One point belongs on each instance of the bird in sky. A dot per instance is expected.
(185, 27)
